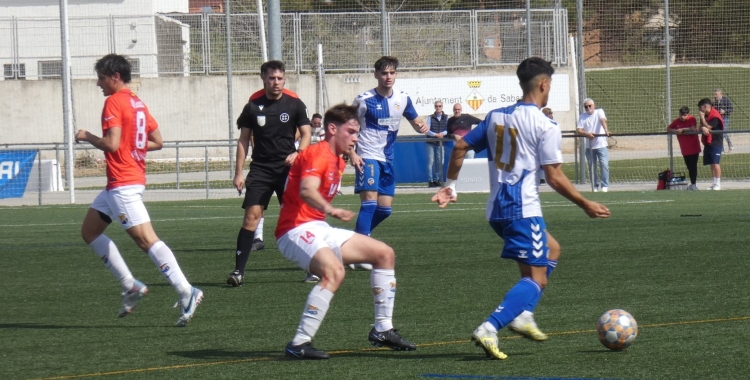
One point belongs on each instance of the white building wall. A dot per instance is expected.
(97, 28)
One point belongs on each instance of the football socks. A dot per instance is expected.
(515, 300)
(106, 249)
(316, 308)
(259, 229)
(551, 265)
(383, 284)
(366, 214)
(380, 214)
(244, 244)
(164, 259)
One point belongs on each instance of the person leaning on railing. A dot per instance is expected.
(690, 145)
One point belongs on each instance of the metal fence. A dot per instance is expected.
(190, 44)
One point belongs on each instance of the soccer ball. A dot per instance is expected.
(617, 329)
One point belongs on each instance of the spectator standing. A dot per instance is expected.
(438, 124)
(460, 124)
(690, 145)
(712, 142)
(318, 133)
(725, 108)
(593, 125)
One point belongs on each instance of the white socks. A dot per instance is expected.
(717, 181)
(383, 284)
(259, 230)
(315, 310)
(164, 259)
(110, 255)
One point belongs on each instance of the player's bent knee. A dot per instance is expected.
(333, 277)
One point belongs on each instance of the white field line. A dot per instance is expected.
(448, 209)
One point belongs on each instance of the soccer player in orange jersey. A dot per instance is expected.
(304, 237)
(129, 132)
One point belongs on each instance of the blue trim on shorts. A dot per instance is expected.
(376, 176)
(525, 240)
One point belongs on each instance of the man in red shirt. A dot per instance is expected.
(303, 237)
(690, 145)
(129, 132)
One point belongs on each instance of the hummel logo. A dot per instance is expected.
(538, 245)
(536, 236)
(535, 227)
(537, 253)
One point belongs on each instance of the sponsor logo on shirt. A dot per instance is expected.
(386, 121)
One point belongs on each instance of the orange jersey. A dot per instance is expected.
(315, 161)
(127, 165)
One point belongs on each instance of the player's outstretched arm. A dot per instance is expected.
(557, 180)
(308, 192)
(448, 193)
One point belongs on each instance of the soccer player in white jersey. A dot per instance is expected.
(380, 111)
(521, 142)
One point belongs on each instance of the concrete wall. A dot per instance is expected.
(192, 108)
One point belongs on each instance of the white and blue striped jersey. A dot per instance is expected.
(519, 139)
(379, 118)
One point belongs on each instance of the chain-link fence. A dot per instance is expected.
(190, 44)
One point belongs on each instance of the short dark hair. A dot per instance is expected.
(113, 63)
(317, 116)
(385, 62)
(340, 114)
(531, 68)
(684, 110)
(272, 66)
(703, 102)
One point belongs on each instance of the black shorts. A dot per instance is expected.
(262, 181)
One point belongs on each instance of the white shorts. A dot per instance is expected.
(301, 243)
(123, 204)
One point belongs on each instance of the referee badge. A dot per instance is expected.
(261, 120)
(284, 117)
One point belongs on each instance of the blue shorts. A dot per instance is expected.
(712, 154)
(525, 240)
(376, 176)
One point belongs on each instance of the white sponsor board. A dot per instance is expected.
(477, 95)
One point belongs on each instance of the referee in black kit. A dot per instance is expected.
(270, 120)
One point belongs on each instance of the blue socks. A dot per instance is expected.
(380, 214)
(365, 218)
(551, 265)
(515, 300)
